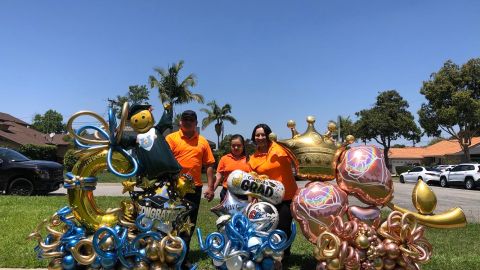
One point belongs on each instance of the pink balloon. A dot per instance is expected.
(313, 205)
(363, 174)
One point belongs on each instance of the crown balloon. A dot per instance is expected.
(314, 152)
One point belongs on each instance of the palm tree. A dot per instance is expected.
(218, 115)
(169, 88)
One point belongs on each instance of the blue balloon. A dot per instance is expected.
(267, 263)
(68, 262)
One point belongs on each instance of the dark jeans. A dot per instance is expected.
(194, 198)
(285, 221)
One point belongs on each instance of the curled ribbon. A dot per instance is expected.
(104, 140)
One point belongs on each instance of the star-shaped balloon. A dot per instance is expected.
(128, 186)
(230, 205)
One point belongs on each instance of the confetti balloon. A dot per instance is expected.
(362, 173)
(264, 215)
(313, 205)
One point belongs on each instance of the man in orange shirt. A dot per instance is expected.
(192, 151)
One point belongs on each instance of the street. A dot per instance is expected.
(447, 198)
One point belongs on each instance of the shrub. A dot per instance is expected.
(42, 152)
(70, 159)
(402, 169)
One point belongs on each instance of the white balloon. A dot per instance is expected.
(249, 265)
(234, 263)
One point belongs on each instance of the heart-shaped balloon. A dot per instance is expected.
(313, 205)
(242, 183)
(362, 173)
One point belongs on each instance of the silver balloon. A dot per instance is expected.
(230, 205)
(253, 241)
(217, 263)
(248, 265)
(234, 263)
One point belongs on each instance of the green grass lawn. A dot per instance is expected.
(453, 249)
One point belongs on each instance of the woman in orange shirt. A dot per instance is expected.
(235, 160)
(272, 160)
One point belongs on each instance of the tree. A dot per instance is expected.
(137, 94)
(169, 88)
(50, 122)
(387, 121)
(345, 126)
(218, 115)
(453, 104)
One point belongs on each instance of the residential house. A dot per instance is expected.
(443, 152)
(14, 133)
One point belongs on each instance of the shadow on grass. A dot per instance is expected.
(298, 261)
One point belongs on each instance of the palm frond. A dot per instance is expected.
(230, 119)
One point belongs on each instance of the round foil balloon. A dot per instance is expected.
(362, 173)
(313, 205)
(264, 215)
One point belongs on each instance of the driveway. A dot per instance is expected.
(447, 198)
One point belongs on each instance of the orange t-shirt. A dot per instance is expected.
(277, 165)
(228, 163)
(192, 153)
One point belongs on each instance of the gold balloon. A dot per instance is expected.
(82, 201)
(453, 218)
(424, 198)
(185, 185)
(159, 266)
(141, 266)
(362, 241)
(86, 246)
(152, 251)
(55, 264)
(315, 153)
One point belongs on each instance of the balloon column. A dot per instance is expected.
(354, 237)
(142, 232)
(247, 237)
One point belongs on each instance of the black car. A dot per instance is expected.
(20, 175)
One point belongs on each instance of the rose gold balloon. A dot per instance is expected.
(362, 173)
(363, 213)
(313, 205)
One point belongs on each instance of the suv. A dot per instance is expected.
(444, 168)
(467, 175)
(20, 175)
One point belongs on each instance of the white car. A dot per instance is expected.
(444, 168)
(467, 175)
(427, 174)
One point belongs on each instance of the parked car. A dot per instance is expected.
(467, 175)
(444, 168)
(427, 174)
(20, 175)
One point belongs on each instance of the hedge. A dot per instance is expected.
(70, 159)
(40, 152)
(402, 169)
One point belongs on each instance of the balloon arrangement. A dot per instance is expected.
(354, 237)
(247, 237)
(142, 232)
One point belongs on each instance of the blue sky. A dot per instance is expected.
(271, 60)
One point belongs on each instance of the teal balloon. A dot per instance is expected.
(68, 262)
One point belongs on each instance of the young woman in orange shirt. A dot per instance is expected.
(235, 160)
(272, 160)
